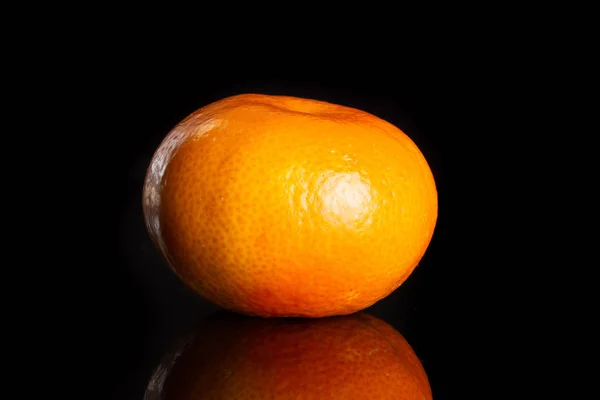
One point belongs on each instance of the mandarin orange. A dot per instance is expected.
(282, 206)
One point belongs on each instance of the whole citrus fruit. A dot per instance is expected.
(237, 357)
(281, 206)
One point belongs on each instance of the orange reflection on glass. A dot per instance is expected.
(230, 356)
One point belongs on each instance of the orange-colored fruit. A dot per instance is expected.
(281, 206)
(237, 357)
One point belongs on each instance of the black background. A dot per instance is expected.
(485, 93)
(132, 307)
(481, 92)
